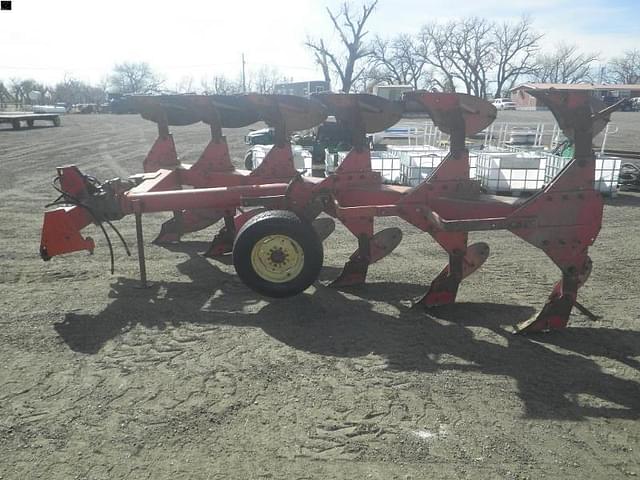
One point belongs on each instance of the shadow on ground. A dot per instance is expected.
(552, 371)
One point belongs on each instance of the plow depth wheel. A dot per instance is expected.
(277, 254)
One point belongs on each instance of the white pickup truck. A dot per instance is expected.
(504, 104)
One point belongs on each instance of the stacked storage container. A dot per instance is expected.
(417, 162)
(302, 159)
(606, 177)
(385, 162)
(511, 173)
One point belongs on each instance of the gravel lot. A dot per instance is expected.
(199, 378)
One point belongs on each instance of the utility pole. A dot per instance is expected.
(244, 84)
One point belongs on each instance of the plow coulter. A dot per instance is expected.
(270, 215)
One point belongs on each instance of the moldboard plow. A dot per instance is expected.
(284, 113)
(269, 213)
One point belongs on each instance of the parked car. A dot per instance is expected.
(504, 104)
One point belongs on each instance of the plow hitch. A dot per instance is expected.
(83, 200)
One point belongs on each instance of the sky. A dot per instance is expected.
(50, 39)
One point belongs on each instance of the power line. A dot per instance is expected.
(164, 67)
(66, 67)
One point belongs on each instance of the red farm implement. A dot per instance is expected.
(269, 213)
(284, 114)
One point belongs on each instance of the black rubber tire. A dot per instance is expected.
(280, 222)
(30, 123)
(16, 124)
(56, 122)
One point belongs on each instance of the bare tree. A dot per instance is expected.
(21, 89)
(434, 47)
(565, 65)
(369, 78)
(515, 45)
(350, 28)
(322, 59)
(5, 96)
(461, 51)
(473, 53)
(185, 85)
(220, 85)
(398, 61)
(265, 79)
(72, 91)
(626, 68)
(135, 78)
(205, 86)
(17, 92)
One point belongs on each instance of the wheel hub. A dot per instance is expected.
(277, 258)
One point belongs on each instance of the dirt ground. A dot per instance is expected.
(199, 378)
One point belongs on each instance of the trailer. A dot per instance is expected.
(17, 118)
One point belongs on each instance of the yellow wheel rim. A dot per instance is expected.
(277, 258)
